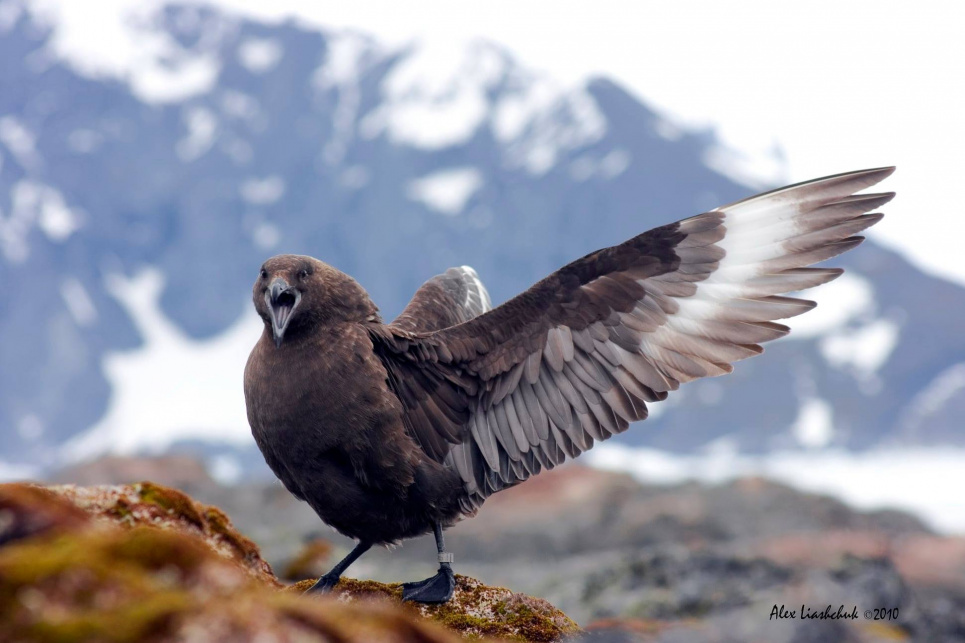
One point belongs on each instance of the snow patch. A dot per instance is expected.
(609, 167)
(202, 124)
(259, 55)
(346, 58)
(517, 109)
(862, 350)
(263, 191)
(78, 302)
(239, 105)
(668, 130)
(933, 398)
(173, 387)
(440, 94)
(447, 191)
(132, 45)
(56, 220)
(434, 98)
(814, 426)
(544, 122)
(615, 163)
(924, 481)
(225, 469)
(20, 141)
(848, 297)
(189, 77)
(34, 203)
(266, 235)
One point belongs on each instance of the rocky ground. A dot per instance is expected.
(643, 563)
(146, 563)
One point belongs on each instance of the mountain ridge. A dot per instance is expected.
(392, 171)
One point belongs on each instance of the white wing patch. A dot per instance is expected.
(477, 297)
(768, 244)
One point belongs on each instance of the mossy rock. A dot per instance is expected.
(150, 585)
(310, 562)
(146, 563)
(475, 611)
(149, 504)
(29, 510)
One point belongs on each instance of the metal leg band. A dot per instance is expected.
(446, 557)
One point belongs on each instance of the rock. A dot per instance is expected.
(475, 609)
(147, 563)
(310, 562)
(149, 504)
(181, 471)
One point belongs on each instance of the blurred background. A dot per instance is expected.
(152, 155)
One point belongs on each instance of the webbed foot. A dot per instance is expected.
(437, 589)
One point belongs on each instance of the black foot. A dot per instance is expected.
(323, 585)
(437, 589)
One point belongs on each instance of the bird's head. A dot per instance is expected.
(294, 294)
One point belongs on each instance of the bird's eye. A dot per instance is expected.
(264, 274)
(302, 273)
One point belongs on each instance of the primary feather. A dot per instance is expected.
(498, 395)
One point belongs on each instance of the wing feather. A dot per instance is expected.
(574, 359)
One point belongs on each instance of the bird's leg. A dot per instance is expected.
(440, 587)
(330, 580)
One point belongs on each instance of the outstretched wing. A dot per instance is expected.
(451, 298)
(574, 359)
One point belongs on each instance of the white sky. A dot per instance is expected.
(838, 85)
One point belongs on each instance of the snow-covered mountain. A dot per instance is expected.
(136, 207)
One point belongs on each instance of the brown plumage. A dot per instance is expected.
(393, 430)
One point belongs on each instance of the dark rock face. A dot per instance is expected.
(148, 563)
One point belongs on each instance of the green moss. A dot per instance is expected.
(369, 589)
(76, 579)
(514, 617)
(221, 526)
(474, 612)
(171, 500)
(135, 621)
(122, 512)
(532, 625)
(95, 585)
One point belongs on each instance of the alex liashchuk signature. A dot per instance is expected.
(832, 613)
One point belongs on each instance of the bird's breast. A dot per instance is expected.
(327, 392)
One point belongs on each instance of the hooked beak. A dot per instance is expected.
(282, 301)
